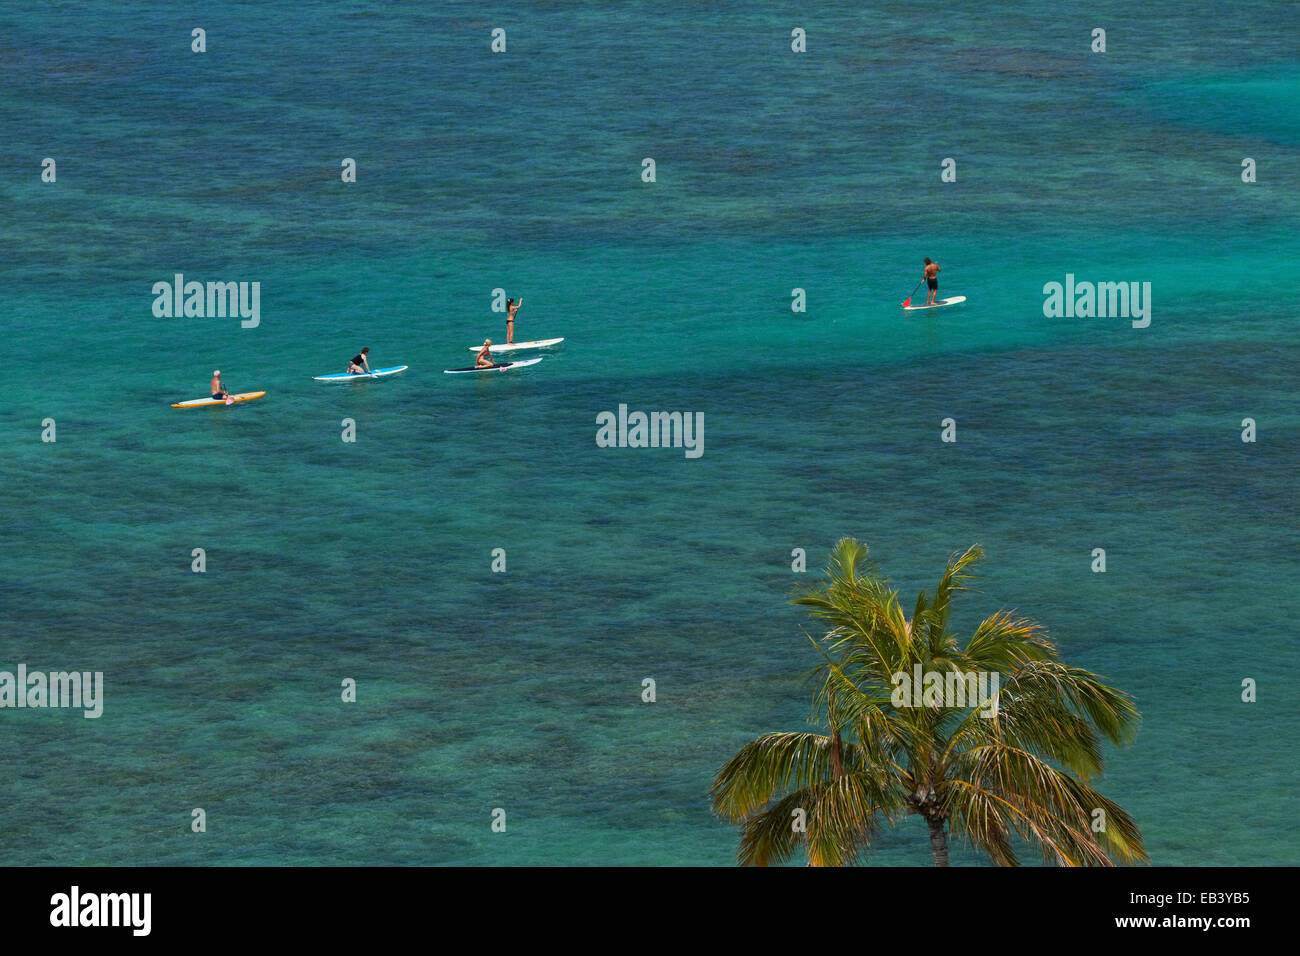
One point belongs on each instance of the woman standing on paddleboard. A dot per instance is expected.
(931, 280)
(511, 308)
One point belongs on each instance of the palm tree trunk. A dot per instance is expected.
(938, 841)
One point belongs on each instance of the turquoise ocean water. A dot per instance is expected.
(775, 171)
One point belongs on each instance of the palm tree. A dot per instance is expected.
(1018, 763)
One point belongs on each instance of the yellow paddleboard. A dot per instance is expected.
(242, 397)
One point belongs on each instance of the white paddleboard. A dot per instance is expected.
(516, 346)
(499, 367)
(938, 303)
(349, 377)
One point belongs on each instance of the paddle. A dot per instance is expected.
(908, 300)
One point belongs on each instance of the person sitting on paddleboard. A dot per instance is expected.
(359, 362)
(219, 392)
(511, 308)
(484, 359)
(931, 280)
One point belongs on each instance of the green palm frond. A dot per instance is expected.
(1111, 711)
(1003, 643)
(980, 817)
(1046, 805)
(840, 818)
(769, 837)
(954, 579)
(773, 763)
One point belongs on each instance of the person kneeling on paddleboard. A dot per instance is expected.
(219, 392)
(931, 280)
(359, 363)
(484, 359)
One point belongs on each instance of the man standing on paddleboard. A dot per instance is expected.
(511, 308)
(931, 280)
(359, 362)
(484, 359)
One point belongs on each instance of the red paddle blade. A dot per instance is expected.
(907, 302)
